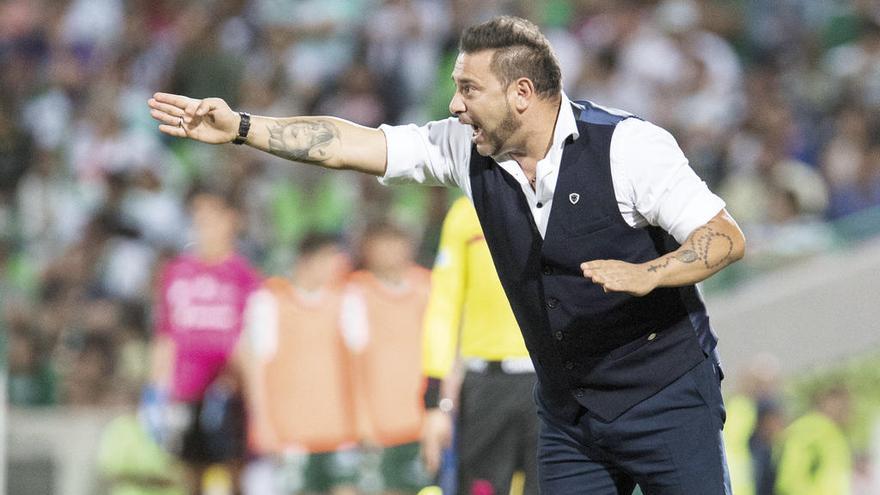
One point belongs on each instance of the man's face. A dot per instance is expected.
(387, 252)
(482, 101)
(329, 265)
(215, 223)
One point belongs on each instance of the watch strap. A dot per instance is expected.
(244, 127)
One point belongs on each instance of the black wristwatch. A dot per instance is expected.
(244, 127)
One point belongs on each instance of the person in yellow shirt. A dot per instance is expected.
(815, 456)
(468, 315)
(750, 409)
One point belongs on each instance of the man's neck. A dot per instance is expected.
(213, 255)
(391, 277)
(307, 280)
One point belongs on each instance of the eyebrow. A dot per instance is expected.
(464, 80)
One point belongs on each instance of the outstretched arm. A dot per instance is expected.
(326, 141)
(707, 250)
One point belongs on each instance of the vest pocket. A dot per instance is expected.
(576, 226)
(630, 347)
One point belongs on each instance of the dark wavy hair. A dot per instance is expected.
(521, 51)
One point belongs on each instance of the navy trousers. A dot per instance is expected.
(669, 444)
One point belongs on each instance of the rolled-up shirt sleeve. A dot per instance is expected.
(435, 154)
(654, 182)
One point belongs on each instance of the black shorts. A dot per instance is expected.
(216, 431)
(497, 431)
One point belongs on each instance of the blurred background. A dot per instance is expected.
(775, 102)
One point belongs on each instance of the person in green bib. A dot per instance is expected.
(815, 457)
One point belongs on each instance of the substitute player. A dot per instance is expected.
(201, 299)
(382, 320)
(297, 376)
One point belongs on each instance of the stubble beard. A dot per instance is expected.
(499, 137)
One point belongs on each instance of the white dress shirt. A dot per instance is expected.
(653, 183)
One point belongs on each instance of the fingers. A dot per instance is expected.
(206, 105)
(618, 276)
(598, 272)
(157, 105)
(173, 130)
(181, 106)
(189, 112)
(431, 457)
(166, 109)
(174, 100)
(166, 118)
(592, 270)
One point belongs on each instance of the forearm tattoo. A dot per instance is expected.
(303, 140)
(706, 245)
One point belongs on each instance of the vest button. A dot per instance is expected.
(579, 393)
(569, 365)
(652, 336)
(559, 335)
(547, 270)
(552, 303)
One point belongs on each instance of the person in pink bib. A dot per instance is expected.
(199, 306)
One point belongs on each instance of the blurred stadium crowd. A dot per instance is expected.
(776, 102)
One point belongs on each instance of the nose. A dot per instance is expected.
(456, 105)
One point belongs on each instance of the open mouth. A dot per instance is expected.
(478, 132)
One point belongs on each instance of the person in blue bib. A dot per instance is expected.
(599, 230)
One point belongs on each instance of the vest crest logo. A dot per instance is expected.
(574, 198)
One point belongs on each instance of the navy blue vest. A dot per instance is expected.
(603, 352)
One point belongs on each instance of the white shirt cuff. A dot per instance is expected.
(402, 143)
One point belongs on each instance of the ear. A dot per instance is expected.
(523, 93)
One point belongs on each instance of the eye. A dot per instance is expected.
(466, 89)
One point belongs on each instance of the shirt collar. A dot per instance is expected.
(565, 122)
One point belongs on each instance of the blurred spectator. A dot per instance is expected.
(16, 154)
(31, 378)
(769, 424)
(316, 38)
(748, 436)
(91, 355)
(382, 322)
(211, 40)
(298, 381)
(842, 158)
(815, 456)
(864, 191)
(774, 193)
(856, 66)
(403, 45)
(52, 209)
(129, 459)
(200, 302)
(865, 481)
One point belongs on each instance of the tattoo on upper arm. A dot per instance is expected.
(303, 140)
(703, 243)
(705, 239)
